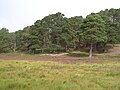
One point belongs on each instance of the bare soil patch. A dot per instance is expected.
(64, 58)
(114, 50)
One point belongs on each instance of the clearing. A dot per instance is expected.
(59, 72)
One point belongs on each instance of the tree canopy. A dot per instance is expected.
(56, 33)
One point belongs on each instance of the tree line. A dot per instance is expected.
(56, 33)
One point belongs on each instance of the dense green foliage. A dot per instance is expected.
(56, 33)
(94, 30)
(6, 40)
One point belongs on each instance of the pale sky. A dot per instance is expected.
(17, 14)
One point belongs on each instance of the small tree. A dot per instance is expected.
(93, 31)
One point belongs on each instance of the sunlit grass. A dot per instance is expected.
(109, 56)
(48, 75)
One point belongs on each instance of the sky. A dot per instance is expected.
(17, 14)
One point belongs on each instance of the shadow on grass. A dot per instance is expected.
(78, 54)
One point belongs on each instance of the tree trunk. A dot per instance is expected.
(79, 44)
(66, 47)
(91, 49)
(14, 49)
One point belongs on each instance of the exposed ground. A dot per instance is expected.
(114, 50)
(64, 57)
(113, 54)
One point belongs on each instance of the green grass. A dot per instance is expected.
(109, 56)
(48, 75)
(113, 56)
(78, 54)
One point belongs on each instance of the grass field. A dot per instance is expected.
(51, 75)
